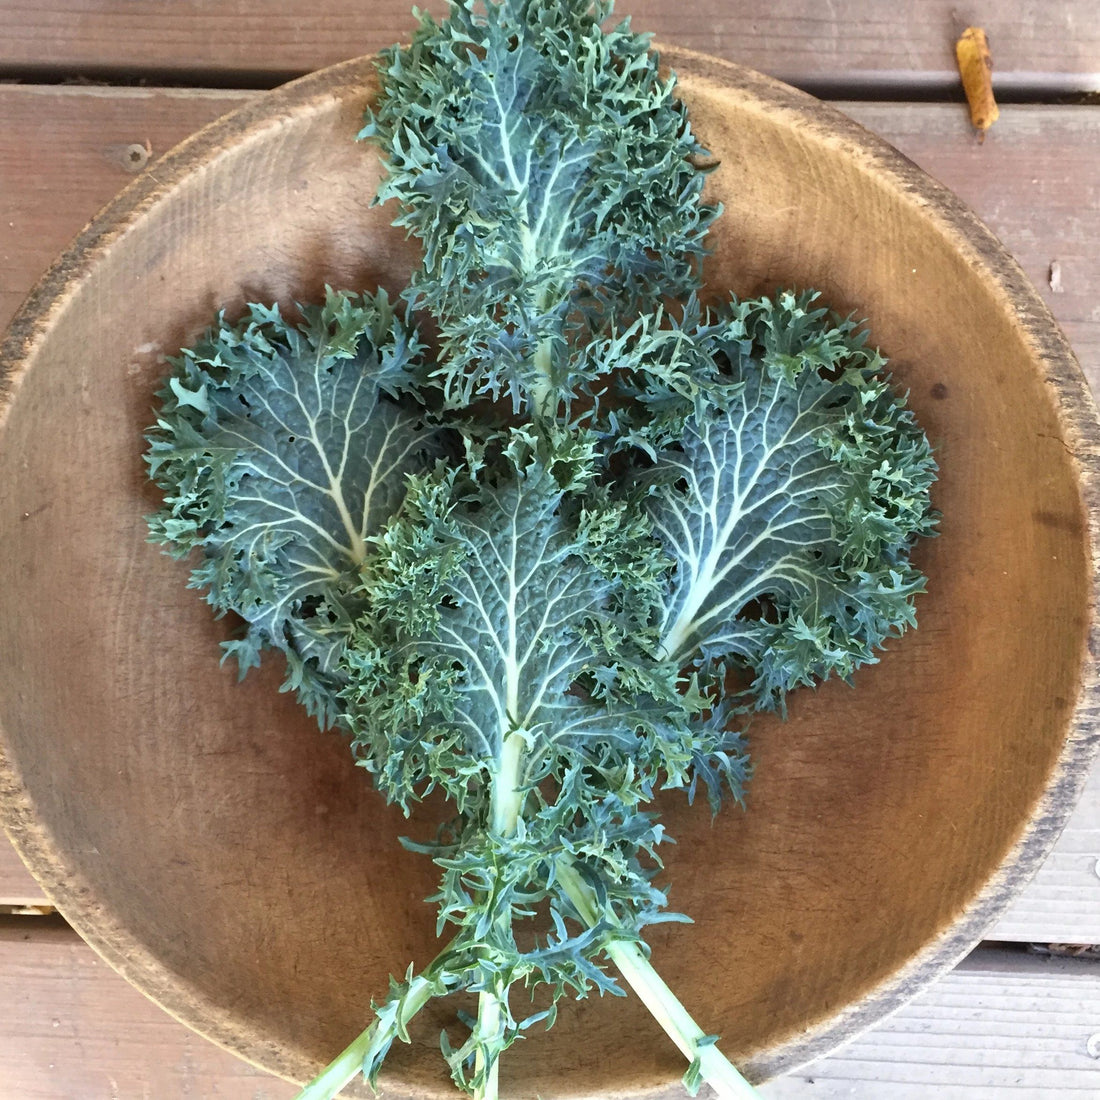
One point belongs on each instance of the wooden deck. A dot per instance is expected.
(1007, 1022)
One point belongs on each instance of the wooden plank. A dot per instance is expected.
(1036, 45)
(1062, 902)
(1001, 1024)
(17, 886)
(1035, 181)
(72, 1028)
(65, 152)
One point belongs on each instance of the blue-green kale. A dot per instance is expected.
(552, 565)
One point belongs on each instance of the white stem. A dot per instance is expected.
(506, 805)
(638, 972)
(488, 1022)
(506, 800)
(390, 1023)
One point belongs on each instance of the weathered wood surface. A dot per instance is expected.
(1000, 1025)
(65, 152)
(1036, 45)
(1062, 903)
(74, 1030)
(17, 886)
(1035, 182)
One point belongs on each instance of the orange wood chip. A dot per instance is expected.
(976, 69)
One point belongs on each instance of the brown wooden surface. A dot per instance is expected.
(1035, 182)
(65, 152)
(74, 1030)
(228, 925)
(61, 155)
(1035, 44)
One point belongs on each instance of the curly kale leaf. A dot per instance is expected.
(508, 658)
(549, 171)
(279, 453)
(545, 627)
(514, 609)
(791, 503)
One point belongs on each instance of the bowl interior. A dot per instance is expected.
(226, 856)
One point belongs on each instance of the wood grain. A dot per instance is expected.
(74, 1030)
(17, 886)
(1000, 1025)
(65, 152)
(1035, 44)
(1036, 181)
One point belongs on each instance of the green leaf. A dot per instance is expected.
(279, 454)
(507, 659)
(790, 505)
(550, 173)
(510, 604)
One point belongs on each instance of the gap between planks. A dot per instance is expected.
(845, 44)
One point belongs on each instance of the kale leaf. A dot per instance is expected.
(280, 449)
(555, 565)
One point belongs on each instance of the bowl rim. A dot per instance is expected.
(74, 896)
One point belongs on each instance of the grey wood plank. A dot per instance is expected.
(1035, 44)
(1062, 902)
(1001, 1024)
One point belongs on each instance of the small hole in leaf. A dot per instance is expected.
(310, 606)
(760, 610)
(831, 374)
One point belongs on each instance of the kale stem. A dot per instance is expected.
(506, 808)
(638, 972)
(367, 1051)
(488, 1020)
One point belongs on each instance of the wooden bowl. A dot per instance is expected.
(225, 856)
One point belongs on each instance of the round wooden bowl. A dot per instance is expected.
(227, 858)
